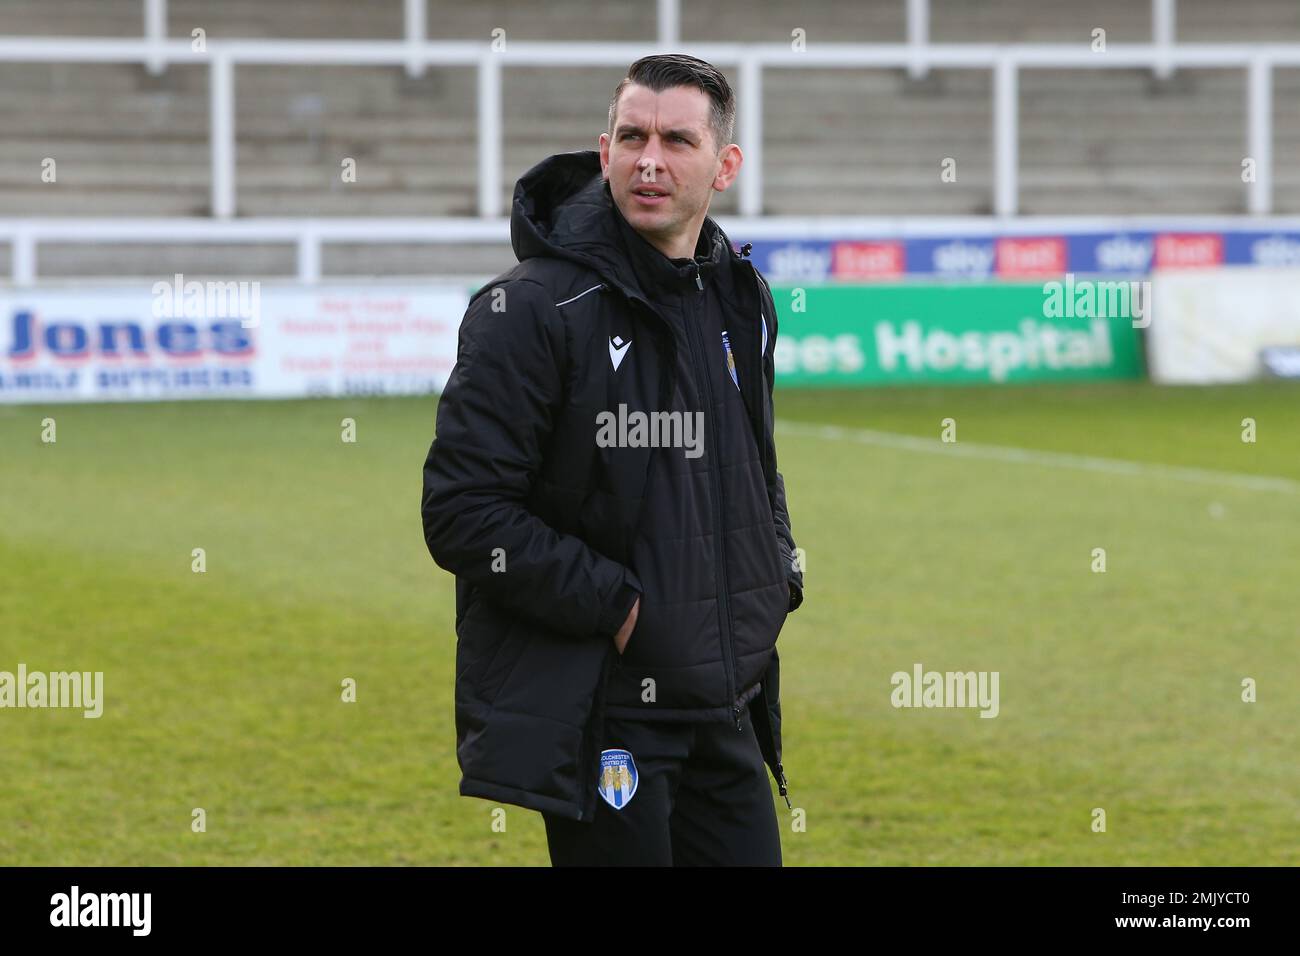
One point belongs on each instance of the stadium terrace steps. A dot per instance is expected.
(626, 20)
(148, 260)
(859, 141)
(129, 175)
(118, 201)
(1213, 21)
(143, 260)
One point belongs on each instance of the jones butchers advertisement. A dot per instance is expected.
(179, 339)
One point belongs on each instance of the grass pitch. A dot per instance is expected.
(1118, 690)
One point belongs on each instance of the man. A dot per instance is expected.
(603, 484)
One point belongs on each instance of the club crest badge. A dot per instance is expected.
(618, 778)
(731, 359)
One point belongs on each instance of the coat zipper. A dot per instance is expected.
(715, 478)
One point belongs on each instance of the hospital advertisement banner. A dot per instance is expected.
(835, 335)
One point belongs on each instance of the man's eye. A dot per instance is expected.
(629, 136)
(681, 139)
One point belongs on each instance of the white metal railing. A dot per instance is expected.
(415, 52)
(918, 35)
(311, 236)
(414, 16)
(668, 17)
(1006, 62)
(1162, 35)
(155, 32)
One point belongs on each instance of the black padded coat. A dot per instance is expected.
(553, 534)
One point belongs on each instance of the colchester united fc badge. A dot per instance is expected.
(618, 778)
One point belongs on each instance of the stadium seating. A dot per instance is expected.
(866, 142)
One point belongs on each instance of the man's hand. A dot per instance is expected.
(625, 632)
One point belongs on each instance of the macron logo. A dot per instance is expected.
(617, 349)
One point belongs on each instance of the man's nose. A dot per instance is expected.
(649, 165)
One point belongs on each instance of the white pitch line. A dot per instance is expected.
(1024, 456)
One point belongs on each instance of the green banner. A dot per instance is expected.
(833, 335)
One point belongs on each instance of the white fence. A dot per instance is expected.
(917, 55)
(310, 236)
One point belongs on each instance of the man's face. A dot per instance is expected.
(663, 165)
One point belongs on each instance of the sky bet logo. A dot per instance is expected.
(71, 340)
(1124, 254)
(963, 258)
(1277, 251)
(796, 261)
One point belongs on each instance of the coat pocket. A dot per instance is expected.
(495, 673)
(489, 645)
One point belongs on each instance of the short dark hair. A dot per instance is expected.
(662, 71)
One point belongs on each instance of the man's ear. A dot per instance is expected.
(603, 142)
(730, 167)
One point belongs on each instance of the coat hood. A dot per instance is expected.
(563, 208)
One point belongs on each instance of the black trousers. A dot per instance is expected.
(701, 798)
